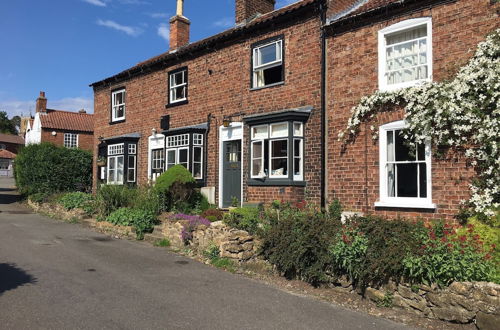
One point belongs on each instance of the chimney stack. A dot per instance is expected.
(179, 28)
(246, 9)
(41, 103)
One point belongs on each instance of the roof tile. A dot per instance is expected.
(10, 138)
(66, 120)
(7, 154)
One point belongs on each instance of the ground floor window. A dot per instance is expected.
(276, 151)
(122, 163)
(405, 168)
(186, 150)
(70, 140)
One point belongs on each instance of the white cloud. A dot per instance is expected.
(158, 15)
(130, 30)
(164, 31)
(24, 108)
(99, 3)
(225, 22)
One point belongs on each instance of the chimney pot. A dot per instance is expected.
(82, 111)
(41, 103)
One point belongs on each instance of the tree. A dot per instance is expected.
(6, 125)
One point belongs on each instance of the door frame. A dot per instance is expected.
(232, 133)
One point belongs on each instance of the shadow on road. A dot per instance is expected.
(8, 198)
(12, 277)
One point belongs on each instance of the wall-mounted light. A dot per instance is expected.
(226, 122)
(153, 131)
(54, 133)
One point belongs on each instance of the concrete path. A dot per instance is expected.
(55, 275)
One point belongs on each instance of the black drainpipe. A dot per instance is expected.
(322, 9)
(205, 151)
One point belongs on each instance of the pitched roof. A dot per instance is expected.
(201, 45)
(67, 120)
(7, 154)
(10, 138)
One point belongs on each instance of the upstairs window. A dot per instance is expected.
(267, 64)
(405, 169)
(405, 54)
(70, 140)
(178, 86)
(118, 105)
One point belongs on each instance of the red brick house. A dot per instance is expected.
(63, 128)
(254, 112)
(361, 40)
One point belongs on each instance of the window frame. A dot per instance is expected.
(114, 117)
(124, 150)
(171, 101)
(71, 136)
(401, 202)
(382, 55)
(253, 68)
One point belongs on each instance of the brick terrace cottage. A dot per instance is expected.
(254, 112)
(9, 147)
(63, 128)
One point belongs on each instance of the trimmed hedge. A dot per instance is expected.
(46, 168)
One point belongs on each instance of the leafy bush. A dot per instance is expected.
(142, 221)
(110, 198)
(212, 251)
(146, 198)
(297, 243)
(335, 209)
(213, 214)
(349, 252)
(175, 187)
(445, 257)
(245, 218)
(38, 197)
(46, 168)
(77, 200)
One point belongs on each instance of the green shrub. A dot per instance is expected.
(212, 252)
(147, 199)
(110, 198)
(142, 221)
(335, 209)
(46, 168)
(349, 253)
(38, 197)
(77, 200)
(297, 244)
(176, 188)
(245, 218)
(445, 256)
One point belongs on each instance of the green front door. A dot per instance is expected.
(231, 176)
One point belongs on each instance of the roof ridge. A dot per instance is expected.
(68, 111)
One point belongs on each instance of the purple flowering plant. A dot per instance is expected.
(190, 224)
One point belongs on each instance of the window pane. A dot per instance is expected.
(257, 149)
(423, 180)
(119, 169)
(131, 161)
(407, 180)
(120, 111)
(197, 154)
(267, 54)
(197, 170)
(403, 153)
(279, 167)
(296, 148)
(183, 157)
(410, 34)
(279, 148)
(297, 129)
(279, 130)
(391, 182)
(273, 75)
(259, 132)
(257, 169)
(421, 152)
(296, 166)
(390, 146)
(180, 93)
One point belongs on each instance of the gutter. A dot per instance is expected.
(322, 10)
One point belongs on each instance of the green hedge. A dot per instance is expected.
(46, 168)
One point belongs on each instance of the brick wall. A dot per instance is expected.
(353, 176)
(85, 139)
(247, 8)
(219, 83)
(12, 147)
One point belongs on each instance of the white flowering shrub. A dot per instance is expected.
(462, 114)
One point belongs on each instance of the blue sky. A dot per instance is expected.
(61, 46)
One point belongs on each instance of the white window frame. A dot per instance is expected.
(300, 176)
(132, 168)
(70, 138)
(382, 61)
(115, 106)
(166, 158)
(173, 87)
(200, 162)
(177, 151)
(261, 158)
(114, 180)
(402, 202)
(256, 67)
(276, 176)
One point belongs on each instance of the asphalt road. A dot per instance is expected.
(55, 275)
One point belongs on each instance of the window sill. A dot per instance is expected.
(406, 204)
(118, 121)
(392, 88)
(174, 104)
(275, 182)
(267, 86)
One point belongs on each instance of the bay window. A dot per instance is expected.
(405, 170)
(276, 151)
(122, 163)
(186, 150)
